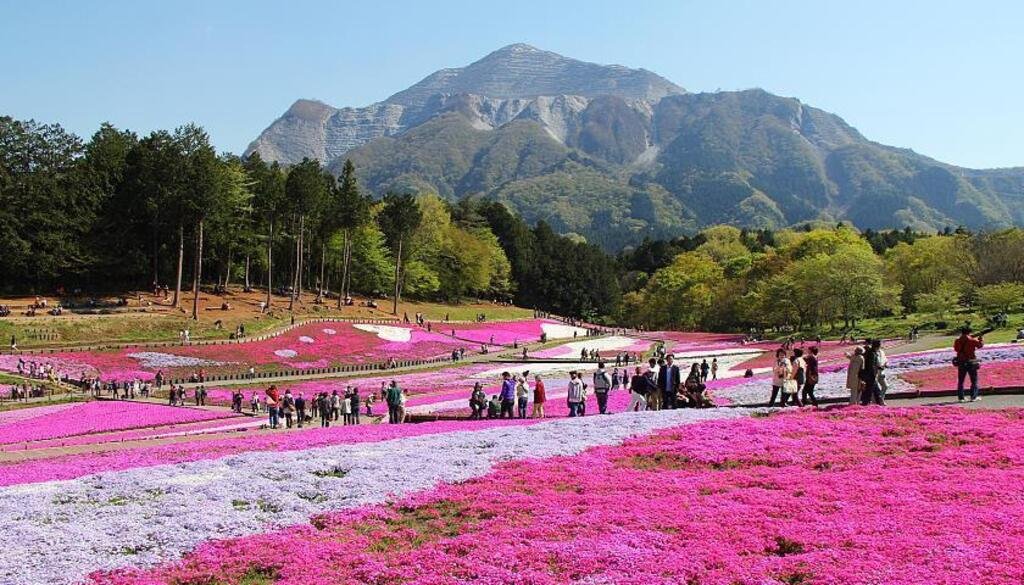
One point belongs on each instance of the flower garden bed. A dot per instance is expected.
(511, 332)
(315, 345)
(849, 496)
(99, 417)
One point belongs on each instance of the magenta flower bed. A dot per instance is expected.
(20, 414)
(316, 345)
(706, 503)
(992, 374)
(217, 425)
(72, 466)
(100, 417)
(508, 333)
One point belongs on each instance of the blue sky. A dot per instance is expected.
(943, 78)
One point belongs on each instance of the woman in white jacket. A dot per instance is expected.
(853, 374)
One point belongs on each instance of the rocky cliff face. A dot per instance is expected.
(617, 154)
(516, 82)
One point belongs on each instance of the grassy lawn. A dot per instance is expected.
(156, 322)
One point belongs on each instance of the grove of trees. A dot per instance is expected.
(731, 279)
(119, 212)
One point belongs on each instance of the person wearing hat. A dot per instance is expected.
(966, 362)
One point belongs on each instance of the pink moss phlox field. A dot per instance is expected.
(205, 448)
(995, 374)
(315, 345)
(509, 332)
(842, 496)
(20, 414)
(100, 417)
(216, 425)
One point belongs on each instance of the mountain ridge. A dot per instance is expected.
(616, 154)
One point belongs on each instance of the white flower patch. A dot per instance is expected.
(559, 331)
(147, 516)
(155, 359)
(306, 339)
(387, 332)
(285, 353)
(330, 331)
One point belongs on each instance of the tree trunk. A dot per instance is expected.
(398, 280)
(156, 254)
(270, 262)
(227, 272)
(246, 273)
(348, 269)
(344, 270)
(302, 258)
(181, 261)
(198, 272)
(297, 269)
(320, 285)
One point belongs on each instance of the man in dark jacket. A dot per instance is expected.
(668, 382)
(869, 375)
(355, 405)
(300, 409)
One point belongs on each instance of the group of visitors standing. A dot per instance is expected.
(663, 387)
(865, 376)
(794, 377)
(512, 399)
(297, 410)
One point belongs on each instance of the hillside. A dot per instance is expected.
(615, 154)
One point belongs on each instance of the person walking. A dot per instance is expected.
(273, 400)
(522, 395)
(324, 409)
(811, 376)
(668, 383)
(354, 399)
(335, 405)
(966, 362)
(507, 394)
(288, 409)
(714, 368)
(602, 384)
(799, 376)
(704, 369)
(300, 409)
(393, 397)
(654, 394)
(539, 397)
(402, 399)
(575, 395)
(869, 375)
(477, 402)
(883, 363)
(782, 372)
(639, 385)
(346, 409)
(853, 380)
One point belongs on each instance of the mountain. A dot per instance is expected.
(616, 154)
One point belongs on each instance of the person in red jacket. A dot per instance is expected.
(966, 362)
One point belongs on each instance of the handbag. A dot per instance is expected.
(789, 386)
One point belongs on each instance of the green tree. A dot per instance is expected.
(682, 293)
(928, 264)
(352, 212)
(306, 189)
(399, 217)
(268, 187)
(1005, 296)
